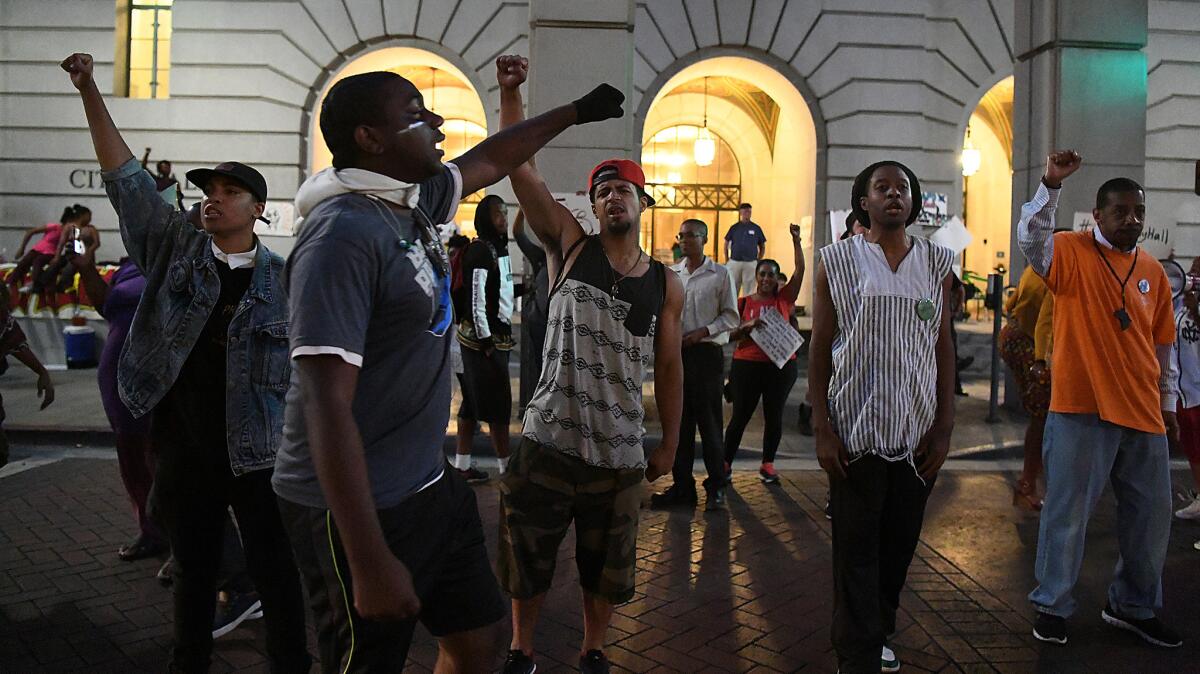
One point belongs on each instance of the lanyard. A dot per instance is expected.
(1121, 314)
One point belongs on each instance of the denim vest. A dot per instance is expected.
(182, 288)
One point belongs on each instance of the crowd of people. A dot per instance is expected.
(310, 398)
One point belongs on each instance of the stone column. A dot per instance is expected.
(574, 46)
(1080, 83)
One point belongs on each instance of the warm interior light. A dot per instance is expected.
(704, 151)
(971, 157)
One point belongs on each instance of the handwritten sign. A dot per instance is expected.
(776, 337)
(580, 206)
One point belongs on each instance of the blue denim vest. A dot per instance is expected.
(182, 288)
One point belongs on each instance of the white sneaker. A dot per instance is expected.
(1191, 511)
(888, 662)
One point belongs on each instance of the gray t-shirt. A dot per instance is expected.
(382, 302)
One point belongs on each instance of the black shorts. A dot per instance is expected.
(439, 537)
(486, 390)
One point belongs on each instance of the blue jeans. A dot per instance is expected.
(1081, 452)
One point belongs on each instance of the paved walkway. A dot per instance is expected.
(738, 591)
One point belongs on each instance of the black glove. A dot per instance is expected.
(603, 102)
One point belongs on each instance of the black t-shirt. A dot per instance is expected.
(193, 411)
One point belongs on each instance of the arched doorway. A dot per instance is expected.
(684, 189)
(765, 148)
(987, 182)
(447, 91)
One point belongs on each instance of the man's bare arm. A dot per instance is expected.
(382, 585)
(550, 220)
(668, 377)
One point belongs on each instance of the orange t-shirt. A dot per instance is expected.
(1099, 368)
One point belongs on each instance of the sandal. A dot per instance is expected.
(1025, 497)
(143, 548)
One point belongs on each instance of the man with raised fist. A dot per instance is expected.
(1112, 402)
(385, 535)
(207, 356)
(580, 459)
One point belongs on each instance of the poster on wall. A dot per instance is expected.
(281, 219)
(581, 207)
(934, 209)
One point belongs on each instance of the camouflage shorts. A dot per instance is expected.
(545, 490)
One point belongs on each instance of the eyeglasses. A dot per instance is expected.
(686, 235)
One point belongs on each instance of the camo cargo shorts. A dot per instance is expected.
(545, 490)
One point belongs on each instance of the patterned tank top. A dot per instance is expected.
(883, 392)
(599, 345)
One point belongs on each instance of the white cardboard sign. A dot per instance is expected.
(776, 337)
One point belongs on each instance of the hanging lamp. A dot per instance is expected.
(704, 151)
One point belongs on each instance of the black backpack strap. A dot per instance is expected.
(560, 276)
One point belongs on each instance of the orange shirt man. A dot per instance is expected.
(1112, 404)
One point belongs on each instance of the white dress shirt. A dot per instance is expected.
(235, 260)
(708, 300)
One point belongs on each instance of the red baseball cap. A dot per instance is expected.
(619, 169)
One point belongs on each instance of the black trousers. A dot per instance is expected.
(533, 339)
(877, 514)
(193, 490)
(703, 379)
(750, 381)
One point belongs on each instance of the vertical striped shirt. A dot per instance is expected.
(883, 392)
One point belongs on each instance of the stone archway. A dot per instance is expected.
(783, 165)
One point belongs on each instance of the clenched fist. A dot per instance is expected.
(511, 71)
(80, 68)
(1059, 165)
(603, 102)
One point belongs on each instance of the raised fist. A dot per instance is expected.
(80, 68)
(1059, 165)
(794, 230)
(603, 102)
(511, 71)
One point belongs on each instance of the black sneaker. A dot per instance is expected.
(1050, 628)
(673, 496)
(805, 420)
(518, 663)
(593, 662)
(715, 500)
(242, 606)
(473, 475)
(166, 572)
(1151, 630)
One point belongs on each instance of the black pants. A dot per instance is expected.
(533, 339)
(877, 514)
(438, 535)
(703, 378)
(193, 489)
(752, 380)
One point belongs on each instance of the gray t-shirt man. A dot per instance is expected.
(363, 285)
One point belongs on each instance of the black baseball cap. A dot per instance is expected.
(252, 179)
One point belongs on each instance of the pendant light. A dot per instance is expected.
(704, 151)
(971, 157)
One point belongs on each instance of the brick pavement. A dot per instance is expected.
(742, 591)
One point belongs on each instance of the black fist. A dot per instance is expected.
(603, 102)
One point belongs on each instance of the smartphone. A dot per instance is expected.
(77, 247)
